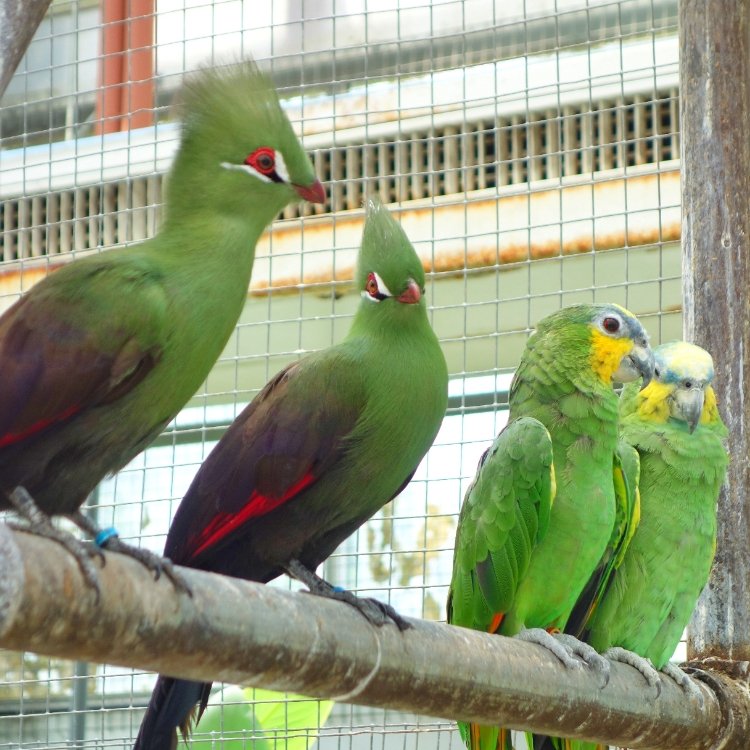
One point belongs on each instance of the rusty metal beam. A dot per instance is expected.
(258, 635)
(19, 20)
(714, 118)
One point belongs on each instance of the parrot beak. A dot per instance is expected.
(313, 193)
(412, 294)
(639, 363)
(689, 404)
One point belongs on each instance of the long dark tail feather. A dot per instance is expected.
(174, 704)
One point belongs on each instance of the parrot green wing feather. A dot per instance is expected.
(564, 381)
(627, 474)
(505, 512)
(669, 559)
(626, 470)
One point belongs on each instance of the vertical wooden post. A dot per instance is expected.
(715, 153)
(18, 24)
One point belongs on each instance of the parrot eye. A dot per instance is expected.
(688, 384)
(611, 325)
(263, 160)
(657, 371)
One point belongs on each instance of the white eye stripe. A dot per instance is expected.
(281, 169)
(382, 288)
(246, 168)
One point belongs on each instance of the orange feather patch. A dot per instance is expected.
(497, 621)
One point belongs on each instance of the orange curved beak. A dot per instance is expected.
(313, 193)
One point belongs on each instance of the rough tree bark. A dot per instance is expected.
(259, 635)
(715, 153)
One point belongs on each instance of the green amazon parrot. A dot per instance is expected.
(540, 513)
(98, 357)
(642, 611)
(330, 440)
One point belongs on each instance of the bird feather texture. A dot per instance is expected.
(99, 356)
(521, 560)
(327, 442)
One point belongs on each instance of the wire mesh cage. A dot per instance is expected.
(529, 149)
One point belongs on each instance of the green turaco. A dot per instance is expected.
(540, 513)
(330, 440)
(99, 356)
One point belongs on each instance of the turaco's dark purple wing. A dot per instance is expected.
(60, 354)
(285, 439)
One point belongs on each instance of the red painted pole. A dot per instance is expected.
(126, 89)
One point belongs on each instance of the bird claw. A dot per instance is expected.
(38, 523)
(155, 563)
(639, 663)
(689, 686)
(595, 660)
(109, 540)
(566, 647)
(386, 610)
(83, 552)
(374, 611)
(559, 649)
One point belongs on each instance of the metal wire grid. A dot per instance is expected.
(530, 148)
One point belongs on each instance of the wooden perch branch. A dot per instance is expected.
(258, 635)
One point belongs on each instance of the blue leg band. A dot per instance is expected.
(104, 536)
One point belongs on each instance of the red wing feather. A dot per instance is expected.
(223, 524)
(14, 437)
(291, 434)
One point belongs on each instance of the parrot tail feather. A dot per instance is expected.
(174, 704)
(474, 736)
(480, 737)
